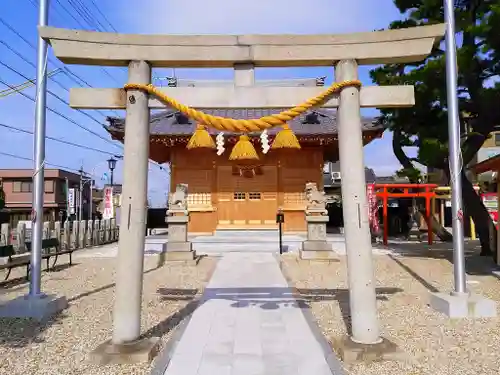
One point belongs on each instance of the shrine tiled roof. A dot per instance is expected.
(172, 123)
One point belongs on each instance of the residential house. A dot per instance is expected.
(18, 190)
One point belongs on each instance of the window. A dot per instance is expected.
(22, 186)
(497, 139)
(16, 187)
(239, 196)
(254, 196)
(49, 186)
(26, 186)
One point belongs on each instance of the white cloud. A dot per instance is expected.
(258, 16)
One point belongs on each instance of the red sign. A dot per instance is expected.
(108, 203)
(490, 201)
(372, 207)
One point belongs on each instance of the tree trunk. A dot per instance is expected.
(482, 219)
(436, 227)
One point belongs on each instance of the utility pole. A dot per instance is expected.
(37, 305)
(459, 303)
(39, 153)
(80, 195)
(91, 201)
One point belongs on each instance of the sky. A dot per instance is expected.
(157, 17)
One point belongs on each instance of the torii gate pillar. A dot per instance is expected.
(125, 341)
(362, 298)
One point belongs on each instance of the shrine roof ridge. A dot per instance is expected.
(166, 122)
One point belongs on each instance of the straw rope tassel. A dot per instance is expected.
(243, 150)
(201, 138)
(286, 138)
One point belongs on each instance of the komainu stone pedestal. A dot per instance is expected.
(316, 247)
(178, 248)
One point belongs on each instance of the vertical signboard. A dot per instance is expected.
(108, 203)
(71, 201)
(373, 207)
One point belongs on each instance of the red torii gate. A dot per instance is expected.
(385, 191)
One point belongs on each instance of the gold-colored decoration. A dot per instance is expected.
(243, 150)
(245, 126)
(285, 138)
(201, 138)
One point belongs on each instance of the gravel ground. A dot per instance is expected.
(435, 344)
(62, 346)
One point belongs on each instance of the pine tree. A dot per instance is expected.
(425, 124)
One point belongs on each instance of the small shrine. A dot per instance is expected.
(238, 181)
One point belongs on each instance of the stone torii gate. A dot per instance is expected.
(141, 53)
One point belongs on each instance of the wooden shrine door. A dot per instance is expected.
(247, 202)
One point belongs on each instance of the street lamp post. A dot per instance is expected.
(112, 166)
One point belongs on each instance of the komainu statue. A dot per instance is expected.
(178, 200)
(316, 200)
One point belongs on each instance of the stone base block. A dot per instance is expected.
(178, 247)
(139, 351)
(317, 250)
(40, 308)
(316, 246)
(180, 256)
(457, 306)
(353, 352)
(318, 255)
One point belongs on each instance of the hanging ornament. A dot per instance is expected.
(264, 140)
(243, 150)
(220, 143)
(201, 138)
(285, 139)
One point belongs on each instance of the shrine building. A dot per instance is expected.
(246, 194)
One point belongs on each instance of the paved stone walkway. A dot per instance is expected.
(248, 323)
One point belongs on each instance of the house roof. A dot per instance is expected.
(491, 164)
(168, 122)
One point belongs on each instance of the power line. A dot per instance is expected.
(50, 92)
(64, 70)
(12, 29)
(70, 14)
(103, 16)
(70, 74)
(118, 156)
(62, 141)
(64, 116)
(29, 159)
(71, 120)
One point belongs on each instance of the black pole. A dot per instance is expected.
(111, 177)
(281, 238)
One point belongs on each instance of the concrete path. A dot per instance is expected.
(248, 323)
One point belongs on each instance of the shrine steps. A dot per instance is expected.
(246, 241)
(224, 241)
(237, 233)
